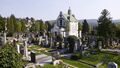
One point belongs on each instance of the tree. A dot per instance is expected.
(118, 30)
(42, 26)
(85, 31)
(49, 26)
(71, 40)
(105, 27)
(35, 27)
(32, 19)
(59, 39)
(23, 27)
(2, 24)
(79, 26)
(11, 25)
(18, 27)
(9, 58)
(85, 27)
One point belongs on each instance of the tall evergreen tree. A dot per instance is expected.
(85, 31)
(105, 27)
(2, 24)
(85, 27)
(23, 27)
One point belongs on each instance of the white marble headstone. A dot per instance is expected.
(25, 49)
(18, 48)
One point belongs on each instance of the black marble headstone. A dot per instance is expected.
(33, 58)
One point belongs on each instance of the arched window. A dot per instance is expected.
(60, 22)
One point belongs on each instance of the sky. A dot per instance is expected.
(50, 9)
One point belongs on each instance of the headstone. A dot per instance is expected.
(93, 43)
(25, 49)
(4, 40)
(76, 47)
(57, 62)
(33, 57)
(46, 40)
(112, 65)
(100, 45)
(51, 42)
(40, 39)
(18, 48)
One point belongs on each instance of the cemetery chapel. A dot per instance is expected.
(66, 24)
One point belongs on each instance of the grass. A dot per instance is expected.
(93, 59)
(51, 66)
(97, 58)
(76, 63)
(39, 49)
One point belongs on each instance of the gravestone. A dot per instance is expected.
(112, 65)
(40, 39)
(18, 48)
(33, 57)
(57, 62)
(4, 39)
(51, 42)
(25, 48)
(75, 47)
(100, 45)
(46, 39)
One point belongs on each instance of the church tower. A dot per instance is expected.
(69, 11)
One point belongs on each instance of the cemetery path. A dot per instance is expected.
(113, 50)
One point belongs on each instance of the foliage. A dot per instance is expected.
(49, 26)
(71, 40)
(18, 27)
(105, 26)
(76, 63)
(11, 25)
(76, 56)
(79, 26)
(118, 30)
(85, 27)
(2, 24)
(23, 27)
(9, 58)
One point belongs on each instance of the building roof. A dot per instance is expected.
(69, 17)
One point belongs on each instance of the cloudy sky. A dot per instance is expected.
(49, 9)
